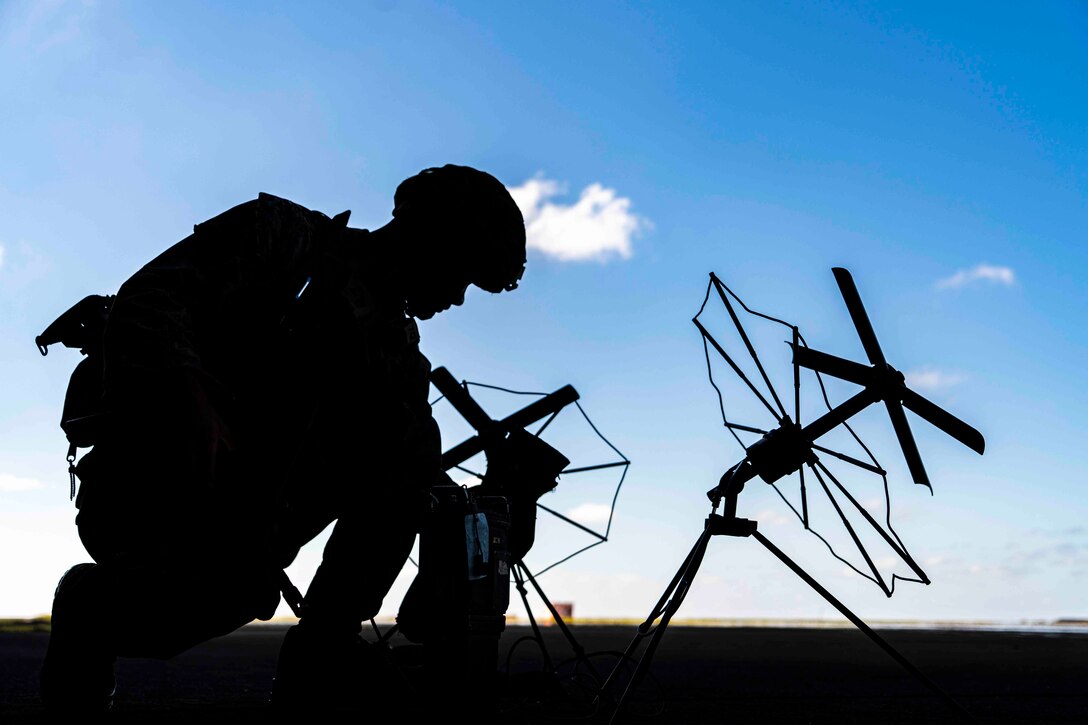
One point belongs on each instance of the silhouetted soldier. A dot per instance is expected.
(263, 379)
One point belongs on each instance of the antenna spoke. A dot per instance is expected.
(896, 546)
(548, 422)
(597, 467)
(528, 415)
(838, 367)
(748, 428)
(843, 457)
(804, 497)
(571, 521)
(906, 441)
(748, 344)
(567, 558)
(944, 420)
(740, 373)
(462, 469)
(796, 381)
(857, 313)
(853, 534)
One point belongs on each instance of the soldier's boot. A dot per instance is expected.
(77, 673)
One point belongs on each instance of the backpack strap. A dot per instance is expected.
(81, 326)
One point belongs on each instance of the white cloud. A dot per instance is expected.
(10, 483)
(599, 226)
(980, 273)
(590, 513)
(932, 380)
(1, 256)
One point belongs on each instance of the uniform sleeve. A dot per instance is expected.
(423, 439)
(236, 269)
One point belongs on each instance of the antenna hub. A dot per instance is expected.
(780, 452)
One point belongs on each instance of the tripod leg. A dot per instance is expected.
(860, 624)
(519, 582)
(645, 628)
(679, 588)
(579, 650)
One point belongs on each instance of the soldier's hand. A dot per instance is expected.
(523, 466)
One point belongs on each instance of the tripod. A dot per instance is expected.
(521, 576)
(677, 591)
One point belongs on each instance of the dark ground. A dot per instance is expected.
(703, 675)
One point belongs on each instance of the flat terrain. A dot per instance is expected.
(700, 675)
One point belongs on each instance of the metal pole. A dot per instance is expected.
(860, 624)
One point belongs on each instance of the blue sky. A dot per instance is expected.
(936, 151)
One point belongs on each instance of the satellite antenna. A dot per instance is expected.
(546, 408)
(490, 431)
(788, 449)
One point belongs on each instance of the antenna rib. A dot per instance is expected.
(748, 344)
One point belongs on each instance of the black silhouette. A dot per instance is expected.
(455, 606)
(785, 450)
(231, 390)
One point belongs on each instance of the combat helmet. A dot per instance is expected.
(473, 217)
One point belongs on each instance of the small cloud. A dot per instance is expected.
(1, 256)
(932, 380)
(599, 226)
(590, 513)
(980, 273)
(10, 484)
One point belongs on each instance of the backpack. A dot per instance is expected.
(84, 416)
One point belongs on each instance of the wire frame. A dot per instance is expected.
(597, 535)
(820, 481)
